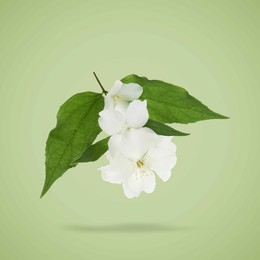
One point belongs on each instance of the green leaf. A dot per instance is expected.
(168, 103)
(94, 152)
(77, 127)
(162, 129)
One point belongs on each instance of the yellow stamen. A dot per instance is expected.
(140, 163)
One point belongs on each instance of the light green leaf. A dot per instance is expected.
(94, 152)
(168, 103)
(162, 129)
(77, 127)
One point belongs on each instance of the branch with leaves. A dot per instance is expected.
(134, 114)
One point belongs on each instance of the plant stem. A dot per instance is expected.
(103, 90)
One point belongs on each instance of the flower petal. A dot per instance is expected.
(110, 175)
(161, 160)
(133, 184)
(162, 157)
(109, 98)
(114, 144)
(111, 121)
(164, 175)
(136, 142)
(137, 114)
(128, 193)
(119, 169)
(109, 102)
(116, 88)
(130, 92)
(121, 106)
(109, 156)
(149, 183)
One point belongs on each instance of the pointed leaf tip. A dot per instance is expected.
(77, 127)
(169, 103)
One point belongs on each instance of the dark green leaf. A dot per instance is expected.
(168, 103)
(77, 128)
(162, 129)
(94, 152)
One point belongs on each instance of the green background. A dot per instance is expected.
(209, 209)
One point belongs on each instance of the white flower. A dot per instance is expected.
(113, 121)
(136, 166)
(135, 152)
(124, 126)
(121, 94)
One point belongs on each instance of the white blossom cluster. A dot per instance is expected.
(135, 152)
